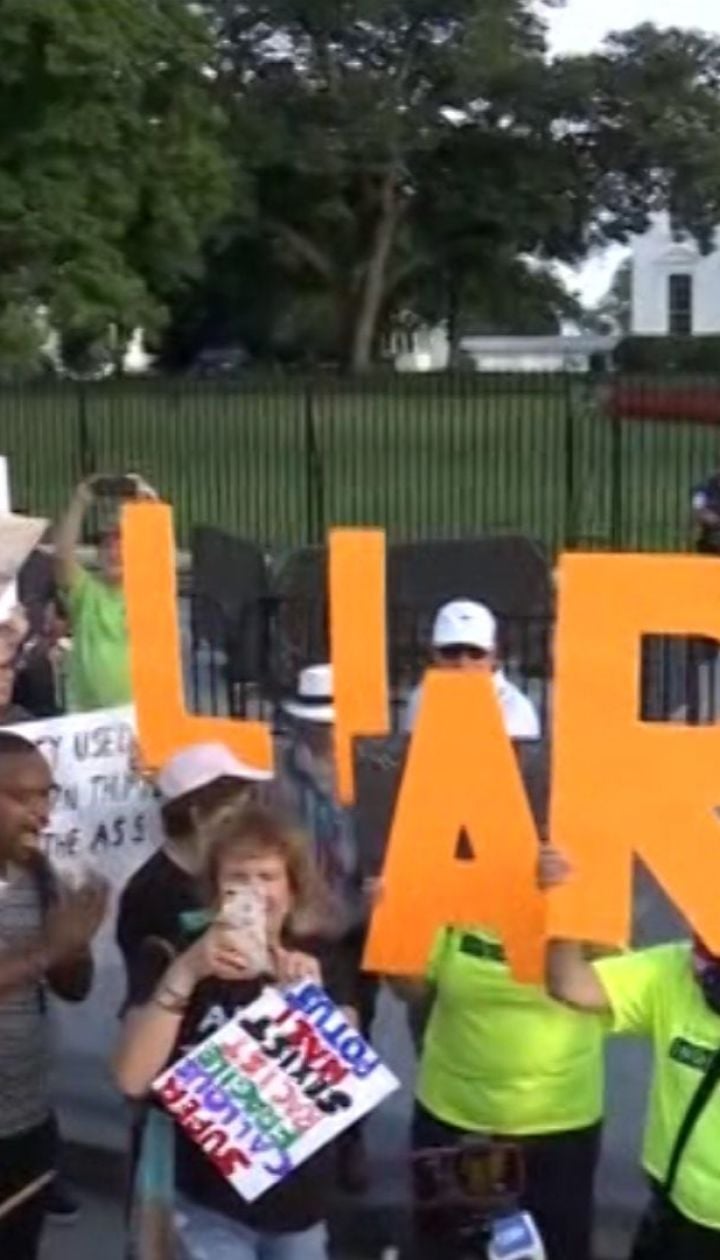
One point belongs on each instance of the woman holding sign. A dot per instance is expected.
(671, 995)
(261, 897)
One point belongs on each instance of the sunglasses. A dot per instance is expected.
(456, 651)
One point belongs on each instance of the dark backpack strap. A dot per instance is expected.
(43, 878)
(698, 1103)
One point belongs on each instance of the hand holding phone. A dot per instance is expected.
(244, 913)
(126, 486)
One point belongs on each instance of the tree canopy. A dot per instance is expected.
(409, 154)
(298, 174)
(112, 168)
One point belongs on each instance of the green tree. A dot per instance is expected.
(338, 107)
(414, 154)
(643, 115)
(613, 313)
(111, 161)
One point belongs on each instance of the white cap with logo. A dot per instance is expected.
(200, 764)
(465, 623)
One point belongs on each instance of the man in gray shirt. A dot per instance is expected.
(45, 934)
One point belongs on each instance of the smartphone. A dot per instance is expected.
(125, 486)
(243, 911)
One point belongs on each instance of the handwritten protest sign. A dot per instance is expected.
(104, 815)
(105, 818)
(275, 1085)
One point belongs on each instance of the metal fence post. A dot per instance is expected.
(570, 540)
(616, 482)
(86, 452)
(314, 473)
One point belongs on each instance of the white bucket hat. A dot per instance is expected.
(313, 701)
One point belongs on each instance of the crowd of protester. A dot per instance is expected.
(517, 1063)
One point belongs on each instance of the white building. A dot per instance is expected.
(675, 289)
(427, 350)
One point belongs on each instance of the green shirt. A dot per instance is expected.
(653, 993)
(99, 667)
(503, 1057)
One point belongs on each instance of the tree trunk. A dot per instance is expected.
(373, 287)
(453, 320)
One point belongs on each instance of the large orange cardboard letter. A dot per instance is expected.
(461, 777)
(622, 785)
(164, 725)
(358, 643)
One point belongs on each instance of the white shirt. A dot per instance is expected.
(518, 712)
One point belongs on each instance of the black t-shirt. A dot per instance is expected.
(159, 903)
(301, 1200)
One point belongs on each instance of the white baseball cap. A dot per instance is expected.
(463, 622)
(200, 764)
(313, 701)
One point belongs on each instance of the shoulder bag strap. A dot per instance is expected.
(698, 1103)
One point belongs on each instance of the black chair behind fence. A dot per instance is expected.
(252, 627)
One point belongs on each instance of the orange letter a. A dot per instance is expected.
(461, 777)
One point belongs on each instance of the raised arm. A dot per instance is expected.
(68, 533)
(152, 1025)
(571, 978)
(569, 974)
(150, 1032)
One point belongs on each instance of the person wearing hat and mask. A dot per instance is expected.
(669, 994)
(465, 637)
(161, 912)
(305, 792)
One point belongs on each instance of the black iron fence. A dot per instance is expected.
(573, 461)
(679, 677)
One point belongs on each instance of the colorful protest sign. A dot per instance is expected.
(104, 818)
(275, 1085)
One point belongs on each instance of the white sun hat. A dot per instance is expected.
(313, 700)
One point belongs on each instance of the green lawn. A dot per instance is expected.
(422, 457)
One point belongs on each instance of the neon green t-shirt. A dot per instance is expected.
(653, 993)
(99, 666)
(503, 1057)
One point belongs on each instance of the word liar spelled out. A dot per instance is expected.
(620, 786)
(275, 1084)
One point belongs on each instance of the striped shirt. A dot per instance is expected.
(24, 1026)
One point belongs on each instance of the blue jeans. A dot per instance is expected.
(208, 1235)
